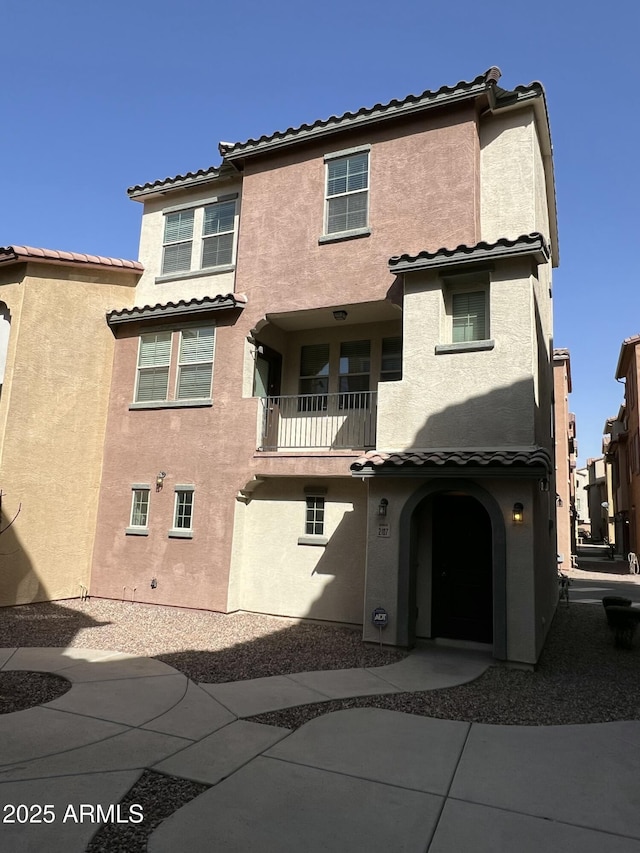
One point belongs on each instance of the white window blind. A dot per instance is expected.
(178, 239)
(195, 363)
(154, 357)
(469, 316)
(347, 193)
(217, 233)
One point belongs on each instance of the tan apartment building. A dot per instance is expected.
(55, 365)
(332, 395)
(566, 451)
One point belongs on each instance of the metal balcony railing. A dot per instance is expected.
(319, 421)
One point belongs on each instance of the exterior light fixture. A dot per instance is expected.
(518, 513)
(544, 485)
(160, 479)
(340, 315)
(382, 507)
(559, 501)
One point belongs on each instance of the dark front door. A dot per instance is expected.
(462, 576)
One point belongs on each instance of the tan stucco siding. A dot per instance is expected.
(509, 204)
(12, 294)
(182, 286)
(462, 399)
(54, 431)
(274, 574)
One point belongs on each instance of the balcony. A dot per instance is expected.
(345, 421)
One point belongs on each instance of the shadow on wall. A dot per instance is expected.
(18, 579)
(504, 416)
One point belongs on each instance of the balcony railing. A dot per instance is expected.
(319, 421)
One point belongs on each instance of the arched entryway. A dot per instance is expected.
(452, 572)
(458, 542)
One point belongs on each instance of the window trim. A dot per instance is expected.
(198, 238)
(460, 285)
(180, 363)
(314, 539)
(182, 532)
(171, 400)
(347, 233)
(140, 369)
(139, 529)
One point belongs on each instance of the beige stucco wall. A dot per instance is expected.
(53, 410)
(463, 399)
(181, 285)
(272, 573)
(510, 199)
(530, 578)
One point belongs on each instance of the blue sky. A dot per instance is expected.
(101, 96)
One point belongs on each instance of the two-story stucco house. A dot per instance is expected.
(334, 393)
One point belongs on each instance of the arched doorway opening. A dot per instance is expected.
(459, 547)
(454, 529)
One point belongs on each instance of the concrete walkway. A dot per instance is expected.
(356, 780)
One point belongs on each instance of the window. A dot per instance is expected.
(314, 377)
(217, 233)
(139, 519)
(154, 358)
(183, 513)
(314, 525)
(178, 240)
(391, 362)
(195, 364)
(355, 367)
(468, 311)
(347, 196)
(193, 371)
(200, 238)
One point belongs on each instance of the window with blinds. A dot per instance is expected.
(468, 312)
(154, 358)
(217, 234)
(195, 363)
(347, 198)
(178, 241)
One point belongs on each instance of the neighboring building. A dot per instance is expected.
(624, 448)
(566, 451)
(583, 523)
(615, 448)
(334, 391)
(55, 366)
(601, 511)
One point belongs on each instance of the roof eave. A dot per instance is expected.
(179, 310)
(532, 244)
(350, 122)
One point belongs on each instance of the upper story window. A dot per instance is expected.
(190, 361)
(355, 369)
(199, 238)
(314, 377)
(391, 360)
(468, 316)
(154, 358)
(347, 192)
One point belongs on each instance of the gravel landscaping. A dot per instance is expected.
(581, 677)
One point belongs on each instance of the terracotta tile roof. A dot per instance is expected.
(526, 244)
(374, 460)
(182, 308)
(462, 90)
(28, 253)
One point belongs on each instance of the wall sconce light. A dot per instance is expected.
(340, 315)
(154, 583)
(518, 513)
(544, 485)
(559, 501)
(160, 480)
(382, 507)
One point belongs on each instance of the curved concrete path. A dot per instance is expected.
(363, 779)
